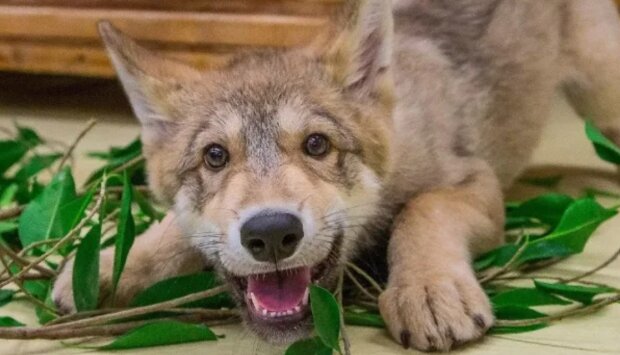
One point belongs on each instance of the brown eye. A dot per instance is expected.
(216, 157)
(317, 145)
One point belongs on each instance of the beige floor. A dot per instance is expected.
(60, 111)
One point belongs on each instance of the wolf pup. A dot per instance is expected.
(410, 116)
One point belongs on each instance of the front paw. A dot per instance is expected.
(436, 312)
(62, 292)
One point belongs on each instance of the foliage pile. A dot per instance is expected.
(42, 224)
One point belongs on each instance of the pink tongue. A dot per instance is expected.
(281, 291)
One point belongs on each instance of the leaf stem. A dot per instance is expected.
(507, 267)
(89, 125)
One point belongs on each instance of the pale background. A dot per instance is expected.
(60, 110)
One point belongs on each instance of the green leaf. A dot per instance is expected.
(43, 315)
(10, 322)
(496, 257)
(514, 330)
(42, 219)
(161, 333)
(12, 152)
(86, 271)
(575, 228)
(116, 158)
(604, 147)
(35, 165)
(513, 312)
(126, 233)
(8, 195)
(6, 296)
(177, 287)
(548, 208)
(582, 294)
(526, 297)
(592, 192)
(37, 289)
(364, 319)
(28, 136)
(326, 315)
(146, 207)
(313, 346)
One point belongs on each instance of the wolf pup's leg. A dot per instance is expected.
(160, 253)
(433, 300)
(592, 50)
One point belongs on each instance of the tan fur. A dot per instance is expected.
(431, 110)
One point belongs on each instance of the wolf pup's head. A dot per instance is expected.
(272, 162)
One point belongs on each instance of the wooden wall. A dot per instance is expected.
(59, 36)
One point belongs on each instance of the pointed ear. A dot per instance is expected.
(360, 58)
(151, 82)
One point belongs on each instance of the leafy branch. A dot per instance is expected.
(41, 225)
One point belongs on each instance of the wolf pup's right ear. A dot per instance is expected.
(151, 82)
(358, 50)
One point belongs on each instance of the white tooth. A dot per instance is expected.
(304, 300)
(272, 314)
(297, 309)
(264, 312)
(254, 301)
(289, 312)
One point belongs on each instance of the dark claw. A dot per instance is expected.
(479, 321)
(432, 343)
(450, 335)
(405, 339)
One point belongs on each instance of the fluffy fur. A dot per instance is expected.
(431, 109)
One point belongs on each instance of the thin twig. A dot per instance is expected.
(133, 312)
(596, 269)
(345, 337)
(507, 267)
(62, 241)
(89, 125)
(16, 258)
(549, 277)
(99, 331)
(359, 286)
(10, 213)
(561, 315)
(20, 285)
(368, 278)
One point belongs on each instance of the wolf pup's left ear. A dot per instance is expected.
(151, 82)
(360, 57)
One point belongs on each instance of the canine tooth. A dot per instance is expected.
(304, 300)
(254, 301)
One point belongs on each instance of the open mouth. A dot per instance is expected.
(281, 298)
(279, 295)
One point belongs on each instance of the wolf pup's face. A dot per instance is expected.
(272, 163)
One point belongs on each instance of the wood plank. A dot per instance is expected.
(50, 58)
(179, 27)
(282, 7)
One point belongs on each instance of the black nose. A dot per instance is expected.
(272, 236)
